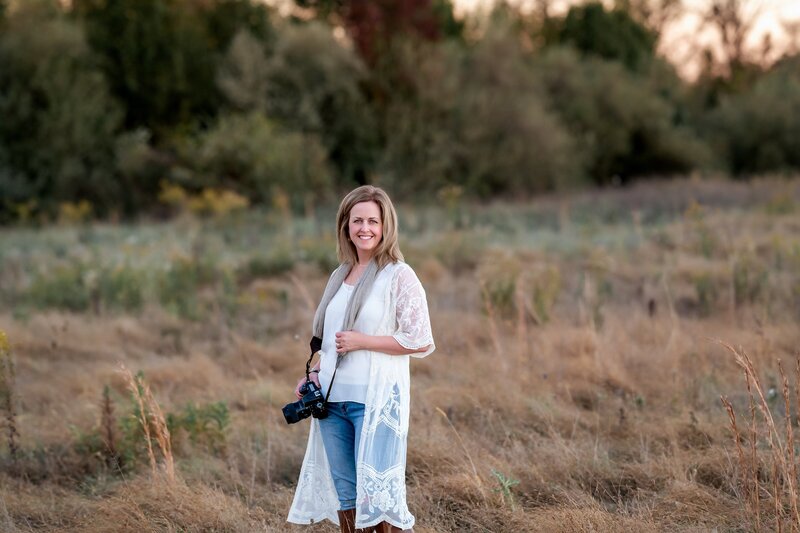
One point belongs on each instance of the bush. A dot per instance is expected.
(59, 124)
(477, 120)
(205, 425)
(622, 126)
(612, 35)
(757, 130)
(250, 154)
(121, 289)
(65, 288)
(314, 87)
(178, 286)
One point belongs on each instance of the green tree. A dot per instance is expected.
(225, 18)
(477, 120)
(314, 85)
(157, 57)
(624, 127)
(757, 130)
(243, 74)
(59, 122)
(613, 35)
(252, 155)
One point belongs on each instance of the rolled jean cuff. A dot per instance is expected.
(347, 505)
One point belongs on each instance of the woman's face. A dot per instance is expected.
(365, 228)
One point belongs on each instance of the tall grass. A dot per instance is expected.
(577, 393)
(781, 488)
(7, 400)
(154, 424)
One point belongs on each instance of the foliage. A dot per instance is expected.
(612, 35)
(314, 86)
(475, 119)
(376, 26)
(121, 289)
(205, 425)
(251, 155)
(623, 128)
(756, 130)
(103, 101)
(7, 395)
(504, 487)
(209, 202)
(242, 73)
(59, 123)
(178, 286)
(66, 288)
(156, 56)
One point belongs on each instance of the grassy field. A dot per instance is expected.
(576, 385)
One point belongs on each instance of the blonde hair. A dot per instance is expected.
(388, 250)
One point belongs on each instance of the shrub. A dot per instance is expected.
(121, 289)
(205, 425)
(622, 126)
(706, 291)
(59, 123)
(65, 288)
(750, 278)
(756, 130)
(252, 156)
(278, 262)
(479, 120)
(545, 286)
(178, 286)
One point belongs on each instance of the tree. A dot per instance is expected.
(613, 35)
(224, 19)
(623, 127)
(757, 130)
(256, 157)
(373, 26)
(59, 123)
(243, 74)
(314, 85)
(157, 56)
(478, 120)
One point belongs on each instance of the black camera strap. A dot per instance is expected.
(316, 347)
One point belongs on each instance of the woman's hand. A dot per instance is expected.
(313, 376)
(350, 341)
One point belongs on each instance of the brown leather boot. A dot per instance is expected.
(347, 521)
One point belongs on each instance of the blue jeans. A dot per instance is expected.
(341, 433)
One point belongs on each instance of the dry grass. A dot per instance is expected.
(607, 411)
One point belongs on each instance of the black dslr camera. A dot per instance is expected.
(311, 404)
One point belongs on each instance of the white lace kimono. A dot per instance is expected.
(381, 462)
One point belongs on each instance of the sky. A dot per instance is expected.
(683, 38)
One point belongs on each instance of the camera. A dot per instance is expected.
(312, 403)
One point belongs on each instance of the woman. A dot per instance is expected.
(372, 316)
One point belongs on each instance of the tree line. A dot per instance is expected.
(114, 102)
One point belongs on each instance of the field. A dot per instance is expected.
(576, 385)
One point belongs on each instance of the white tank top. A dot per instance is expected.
(352, 376)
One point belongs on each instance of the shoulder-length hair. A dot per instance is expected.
(388, 250)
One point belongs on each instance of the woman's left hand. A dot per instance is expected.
(349, 341)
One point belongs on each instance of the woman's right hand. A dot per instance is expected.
(313, 376)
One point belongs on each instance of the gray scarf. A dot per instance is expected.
(362, 289)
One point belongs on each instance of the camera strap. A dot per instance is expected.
(316, 346)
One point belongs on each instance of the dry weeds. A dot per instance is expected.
(607, 412)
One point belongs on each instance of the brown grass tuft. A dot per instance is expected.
(151, 418)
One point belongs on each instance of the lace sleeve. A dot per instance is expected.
(413, 322)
